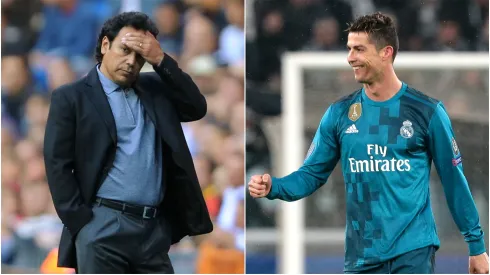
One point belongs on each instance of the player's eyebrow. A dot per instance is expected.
(356, 47)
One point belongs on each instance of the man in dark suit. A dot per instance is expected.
(118, 166)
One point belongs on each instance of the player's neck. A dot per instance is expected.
(383, 89)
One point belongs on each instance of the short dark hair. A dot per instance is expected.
(380, 28)
(113, 25)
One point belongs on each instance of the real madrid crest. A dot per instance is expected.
(355, 111)
(406, 130)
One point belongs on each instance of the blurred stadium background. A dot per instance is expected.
(275, 27)
(51, 42)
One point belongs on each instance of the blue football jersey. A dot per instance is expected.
(386, 150)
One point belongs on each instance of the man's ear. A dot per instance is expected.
(387, 53)
(105, 46)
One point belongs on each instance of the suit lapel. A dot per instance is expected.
(147, 102)
(96, 95)
(161, 118)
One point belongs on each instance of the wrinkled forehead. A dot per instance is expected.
(358, 39)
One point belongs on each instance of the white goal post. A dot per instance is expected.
(291, 254)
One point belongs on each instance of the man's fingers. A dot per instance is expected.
(135, 39)
(476, 270)
(257, 186)
(150, 35)
(134, 34)
(256, 191)
(136, 46)
(147, 38)
(257, 179)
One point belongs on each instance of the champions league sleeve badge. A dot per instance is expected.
(457, 156)
(406, 131)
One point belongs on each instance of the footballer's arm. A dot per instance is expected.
(321, 159)
(447, 160)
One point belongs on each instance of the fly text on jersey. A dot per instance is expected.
(378, 165)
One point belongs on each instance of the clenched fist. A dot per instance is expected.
(259, 185)
(479, 264)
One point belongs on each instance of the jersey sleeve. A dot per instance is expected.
(447, 160)
(320, 161)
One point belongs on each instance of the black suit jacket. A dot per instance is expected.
(80, 146)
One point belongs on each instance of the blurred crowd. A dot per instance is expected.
(47, 43)
(275, 27)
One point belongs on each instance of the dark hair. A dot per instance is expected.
(380, 29)
(112, 26)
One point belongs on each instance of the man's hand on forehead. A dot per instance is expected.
(144, 44)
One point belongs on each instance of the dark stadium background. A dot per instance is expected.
(437, 26)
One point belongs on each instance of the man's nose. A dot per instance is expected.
(131, 59)
(351, 58)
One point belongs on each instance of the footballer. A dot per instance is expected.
(386, 135)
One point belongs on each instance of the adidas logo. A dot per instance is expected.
(352, 130)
